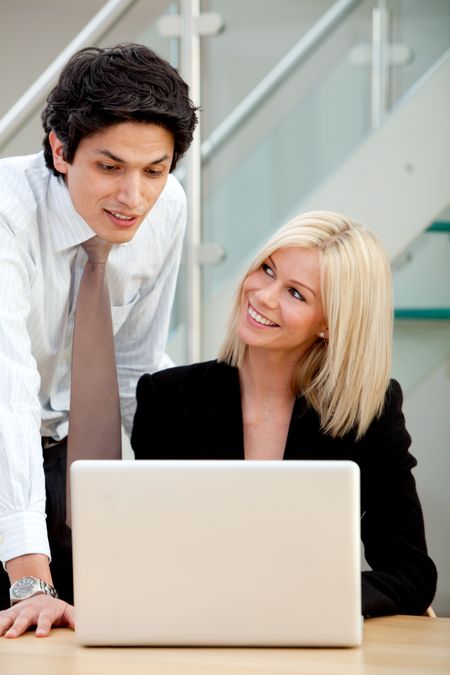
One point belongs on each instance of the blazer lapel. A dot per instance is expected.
(217, 413)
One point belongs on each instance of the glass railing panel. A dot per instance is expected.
(257, 34)
(308, 127)
(140, 25)
(45, 44)
(419, 348)
(424, 28)
(422, 273)
(298, 137)
(32, 35)
(422, 306)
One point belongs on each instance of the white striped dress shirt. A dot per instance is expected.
(41, 264)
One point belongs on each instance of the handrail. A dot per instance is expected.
(27, 104)
(277, 75)
(24, 108)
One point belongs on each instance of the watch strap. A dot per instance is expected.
(47, 589)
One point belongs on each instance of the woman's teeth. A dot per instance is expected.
(258, 318)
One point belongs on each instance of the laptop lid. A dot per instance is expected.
(216, 553)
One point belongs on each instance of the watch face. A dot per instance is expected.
(24, 587)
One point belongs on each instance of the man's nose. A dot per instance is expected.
(130, 190)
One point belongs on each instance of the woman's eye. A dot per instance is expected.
(296, 294)
(267, 269)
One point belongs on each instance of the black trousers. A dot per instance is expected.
(60, 536)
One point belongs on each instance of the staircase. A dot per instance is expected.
(396, 182)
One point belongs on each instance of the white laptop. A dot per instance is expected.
(217, 553)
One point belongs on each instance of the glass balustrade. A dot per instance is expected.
(139, 24)
(422, 300)
(424, 29)
(300, 147)
(306, 127)
(301, 134)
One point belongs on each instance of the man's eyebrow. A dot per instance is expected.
(110, 155)
(292, 281)
(114, 158)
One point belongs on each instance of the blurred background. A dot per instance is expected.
(305, 104)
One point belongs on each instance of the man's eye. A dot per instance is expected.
(153, 173)
(108, 168)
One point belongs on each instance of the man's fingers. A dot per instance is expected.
(22, 622)
(69, 617)
(44, 623)
(6, 621)
(41, 611)
(63, 615)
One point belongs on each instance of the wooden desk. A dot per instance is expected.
(392, 646)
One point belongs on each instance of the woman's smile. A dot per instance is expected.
(258, 318)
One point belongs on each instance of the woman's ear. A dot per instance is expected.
(57, 147)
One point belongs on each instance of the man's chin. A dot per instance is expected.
(122, 236)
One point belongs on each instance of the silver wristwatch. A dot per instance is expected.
(27, 587)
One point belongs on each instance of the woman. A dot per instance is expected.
(304, 374)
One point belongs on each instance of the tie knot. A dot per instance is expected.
(97, 249)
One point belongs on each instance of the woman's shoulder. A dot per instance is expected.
(387, 438)
(394, 393)
(188, 377)
(393, 404)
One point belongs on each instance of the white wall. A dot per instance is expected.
(428, 421)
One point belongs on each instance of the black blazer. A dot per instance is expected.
(194, 412)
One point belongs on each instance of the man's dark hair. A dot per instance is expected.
(102, 87)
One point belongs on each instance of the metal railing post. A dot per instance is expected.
(190, 68)
(379, 64)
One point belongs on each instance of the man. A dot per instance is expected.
(116, 124)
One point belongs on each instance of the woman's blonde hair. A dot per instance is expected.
(345, 377)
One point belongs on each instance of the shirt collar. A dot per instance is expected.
(67, 227)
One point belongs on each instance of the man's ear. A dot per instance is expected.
(57, 147)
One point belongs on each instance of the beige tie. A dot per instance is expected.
(94, 416)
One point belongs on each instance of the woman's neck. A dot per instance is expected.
(267, 401)
(264, 375)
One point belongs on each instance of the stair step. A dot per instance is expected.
(423, 313)
(439, 226)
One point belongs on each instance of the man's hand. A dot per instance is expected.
(41, 611)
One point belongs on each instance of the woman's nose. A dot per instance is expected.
(269, 295)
